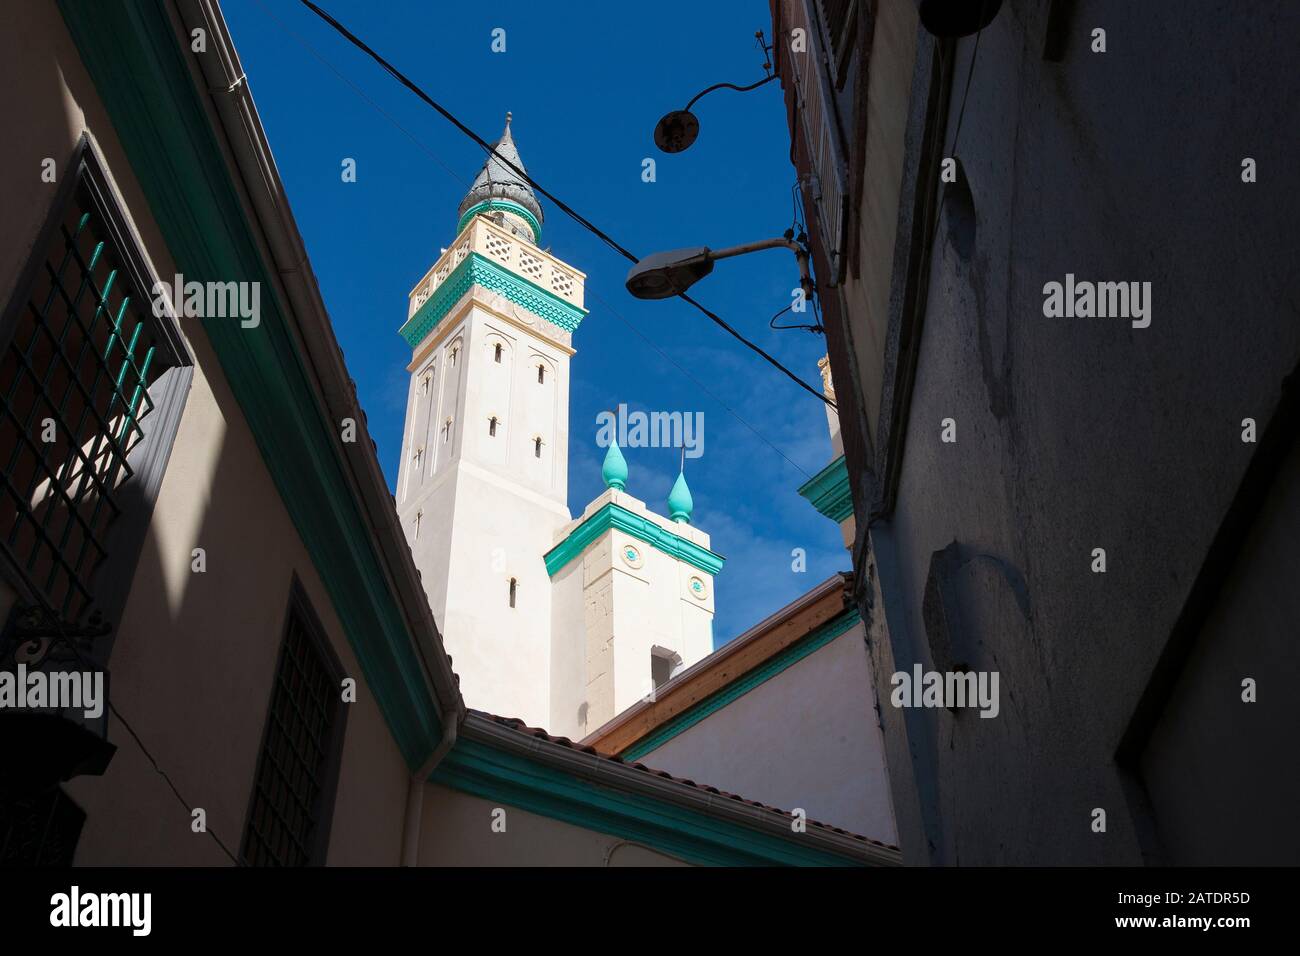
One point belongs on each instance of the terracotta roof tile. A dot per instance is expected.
(517, 724)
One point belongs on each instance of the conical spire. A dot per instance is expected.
(614, 471)
(498, 181)
(680, 503)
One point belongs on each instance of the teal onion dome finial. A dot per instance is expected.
(680, 503)
(614, 471)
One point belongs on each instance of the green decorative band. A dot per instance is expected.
(505, 205)
(616, 516)
(796, 652)
(828, 490)
(479, 270)
(507, 779)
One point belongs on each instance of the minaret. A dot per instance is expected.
(632, 601)
(483, 484)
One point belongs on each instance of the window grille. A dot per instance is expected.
(91, 383)
(293, 792)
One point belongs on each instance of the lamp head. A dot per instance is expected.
(957, 18)
(666, 274)
(676, 131)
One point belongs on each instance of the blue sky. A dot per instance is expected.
(586, 83)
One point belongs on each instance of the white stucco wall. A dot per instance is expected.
(806, 738)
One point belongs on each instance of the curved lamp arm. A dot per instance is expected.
(666, 274)
(800, 254)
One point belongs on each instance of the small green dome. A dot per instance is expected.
(614, 471)
(680, 503)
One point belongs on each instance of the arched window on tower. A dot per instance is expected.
(514, 586)
(496, 353)
(541, 374)
(537, 448)
(492, 427)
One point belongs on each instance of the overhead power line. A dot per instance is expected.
(559, 203)
(606, 306)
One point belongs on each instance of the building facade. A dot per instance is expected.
(196, 534)
(1097, 501)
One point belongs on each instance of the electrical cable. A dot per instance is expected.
(590, 291)
(559, 203)
(88, 666)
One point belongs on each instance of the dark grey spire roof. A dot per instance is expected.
(499, 181)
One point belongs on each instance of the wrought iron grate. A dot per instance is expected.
(299, 746)
(75, 376)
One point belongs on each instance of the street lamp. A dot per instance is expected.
(957, 18)
(666, 274)
(677, 130)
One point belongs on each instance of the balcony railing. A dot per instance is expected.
(498, 245)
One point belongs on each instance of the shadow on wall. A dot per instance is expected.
(196, 650)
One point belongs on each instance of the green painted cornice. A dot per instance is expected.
(493, 773)
(505, 205)
(481, 271)
(809, 643)
(142, 74)
(828, 490)
(616, 516)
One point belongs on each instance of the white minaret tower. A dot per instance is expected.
(483, 485)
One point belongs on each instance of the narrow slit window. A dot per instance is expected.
(541, 375)
(492, 427)
(496, 353)
(514, 587)
(537, 448)
(446, 431)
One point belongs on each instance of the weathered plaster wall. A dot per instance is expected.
(1083, 433)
